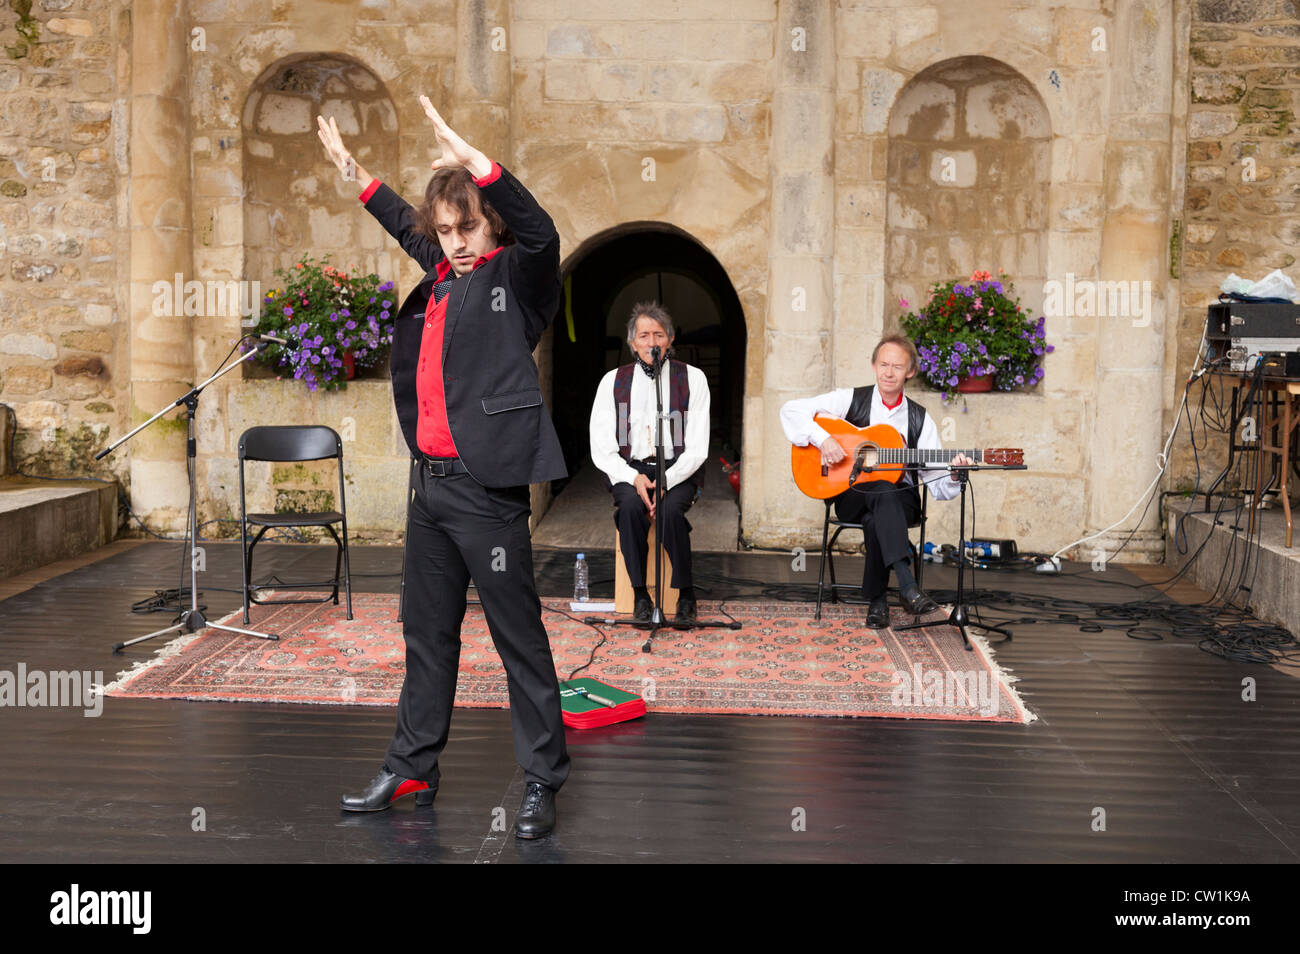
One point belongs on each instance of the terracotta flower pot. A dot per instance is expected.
(969, 385)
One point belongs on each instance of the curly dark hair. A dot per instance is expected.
(456, 188)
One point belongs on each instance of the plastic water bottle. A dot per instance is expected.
(580, 591)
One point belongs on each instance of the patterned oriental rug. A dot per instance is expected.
(781, 662)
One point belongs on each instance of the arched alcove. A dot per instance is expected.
(295, 202)
(969, 168)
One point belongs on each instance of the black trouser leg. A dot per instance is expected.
(479, 533)
(885, 510)
(634, 522)
(677, 532)
(436, 578)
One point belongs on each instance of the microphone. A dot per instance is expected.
(654, 355)
(858, 466)
(272, 339)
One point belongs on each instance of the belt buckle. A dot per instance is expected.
(437, 468)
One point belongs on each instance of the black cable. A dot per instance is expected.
(604, 638)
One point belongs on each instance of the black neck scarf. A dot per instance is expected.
(647, 367)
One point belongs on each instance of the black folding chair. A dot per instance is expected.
(828, 546)
(284, 443)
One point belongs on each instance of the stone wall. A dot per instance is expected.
(63, 166)
(1242, 211)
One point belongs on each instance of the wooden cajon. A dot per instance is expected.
(624, 598)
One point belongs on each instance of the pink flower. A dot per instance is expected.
(902, 302)
(981, 277)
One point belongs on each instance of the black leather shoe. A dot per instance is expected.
(643, 611)
(536, 818)
(685, 610)
(878, 613)
(916, 602)
(386, 788)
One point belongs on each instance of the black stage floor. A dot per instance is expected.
(1154, 733)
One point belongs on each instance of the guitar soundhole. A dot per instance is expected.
(869, 455)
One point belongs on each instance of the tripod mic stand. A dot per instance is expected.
(192, 620)
(958, 616)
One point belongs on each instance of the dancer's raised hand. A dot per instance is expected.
(455, 150)
(328, 132)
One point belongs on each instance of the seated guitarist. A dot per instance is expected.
(885, 509)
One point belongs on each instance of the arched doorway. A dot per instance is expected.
(603, 278)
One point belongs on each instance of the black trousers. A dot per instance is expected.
(461, 530)
(885, 511)
(634, 521)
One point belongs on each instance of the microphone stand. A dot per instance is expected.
(192, 620)
(657, 619)
(958, 616)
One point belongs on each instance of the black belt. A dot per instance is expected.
(442, 466)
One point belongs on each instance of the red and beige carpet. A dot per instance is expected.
(781, 662)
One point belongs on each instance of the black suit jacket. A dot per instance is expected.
(495, 316)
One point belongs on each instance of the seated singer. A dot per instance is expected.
(885, 509)
(623, 446)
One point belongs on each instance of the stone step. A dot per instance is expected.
(42, 521)
(1273, 571)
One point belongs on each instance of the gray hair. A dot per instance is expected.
(653, 310)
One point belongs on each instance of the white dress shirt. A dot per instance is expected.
(801, 430)
(640, 427)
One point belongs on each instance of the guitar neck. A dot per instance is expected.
(910, 455)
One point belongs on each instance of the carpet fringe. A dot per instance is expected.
(173, 647)
(1005, 675)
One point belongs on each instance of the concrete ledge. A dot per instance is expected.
(1273, 573)
(42, 521)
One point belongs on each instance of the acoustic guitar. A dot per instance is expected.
(875, 453)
